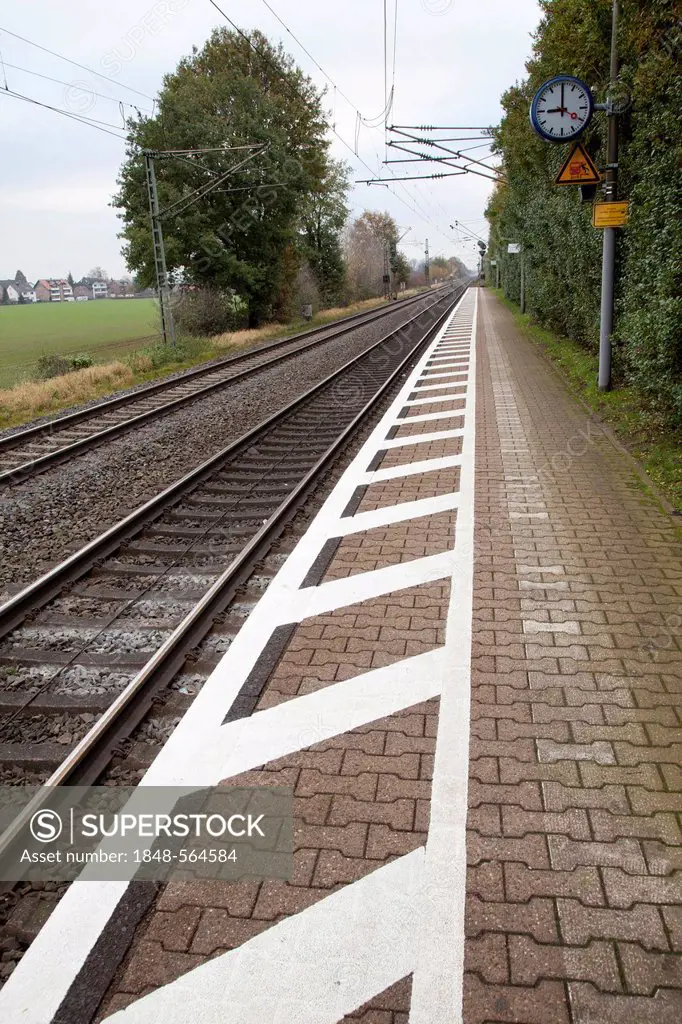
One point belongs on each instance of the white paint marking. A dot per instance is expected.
(444, 376)
(436, 435)
(328, 597)
(397, 513)
(413, 468)
(438, 976)
(460, 389)
(427, 417)
(312, 968)
(315, 717)
(431, 400)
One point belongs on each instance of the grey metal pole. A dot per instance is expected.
(167, 325)
(608, 273)
(523, 285)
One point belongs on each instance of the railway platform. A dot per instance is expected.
(469, 671)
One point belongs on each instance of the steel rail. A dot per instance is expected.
(43, 462)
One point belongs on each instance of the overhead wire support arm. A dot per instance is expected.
(443, 127)
(414, 139)
(186, 201)
(449, 162)
(411, 177)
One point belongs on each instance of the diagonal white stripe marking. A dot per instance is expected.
(303, 721)
(425, 417)
(395, 514)
(436, 435)
(329, 597)
(312, 968)
(424, 388)
(429, 401)
(453, 376)
(413, 468)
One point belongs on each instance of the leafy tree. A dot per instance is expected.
(242, 236)
(366, 242)
(20, 278)
(69, 278)
(323, 217)
(401, 268)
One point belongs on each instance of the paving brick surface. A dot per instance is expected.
(360, 800)
(430, 426)
(389, 1007)
(410, 488)
(426, 450)
(359, 637)
(574, 889)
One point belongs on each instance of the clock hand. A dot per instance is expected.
(563, 108)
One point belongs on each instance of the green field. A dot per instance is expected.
(105, 328)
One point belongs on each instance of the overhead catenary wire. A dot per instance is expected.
(4, 73)
(81, 118)
(75, 63)
(59, 81)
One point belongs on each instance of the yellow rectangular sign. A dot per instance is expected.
(610, 215)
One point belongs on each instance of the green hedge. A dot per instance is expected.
(562, 249)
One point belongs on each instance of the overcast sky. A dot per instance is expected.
(454, 59)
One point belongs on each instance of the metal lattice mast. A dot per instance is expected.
(162, 284)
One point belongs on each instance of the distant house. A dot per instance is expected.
(9, 292)
(96, 289)
(81, 291)
(26, 293)
(49, 289)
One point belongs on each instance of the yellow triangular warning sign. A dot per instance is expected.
(578, 168)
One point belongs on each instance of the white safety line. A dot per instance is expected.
(364, 586)
(438, 976)
(371, 910)
(441, 387)
(454, 377)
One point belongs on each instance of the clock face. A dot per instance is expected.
(561, 108)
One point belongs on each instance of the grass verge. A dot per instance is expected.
(657, 449)
(30, 399)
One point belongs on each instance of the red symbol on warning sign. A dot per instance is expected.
(578, 168)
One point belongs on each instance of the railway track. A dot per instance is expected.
(85, 650)
(25, 453)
